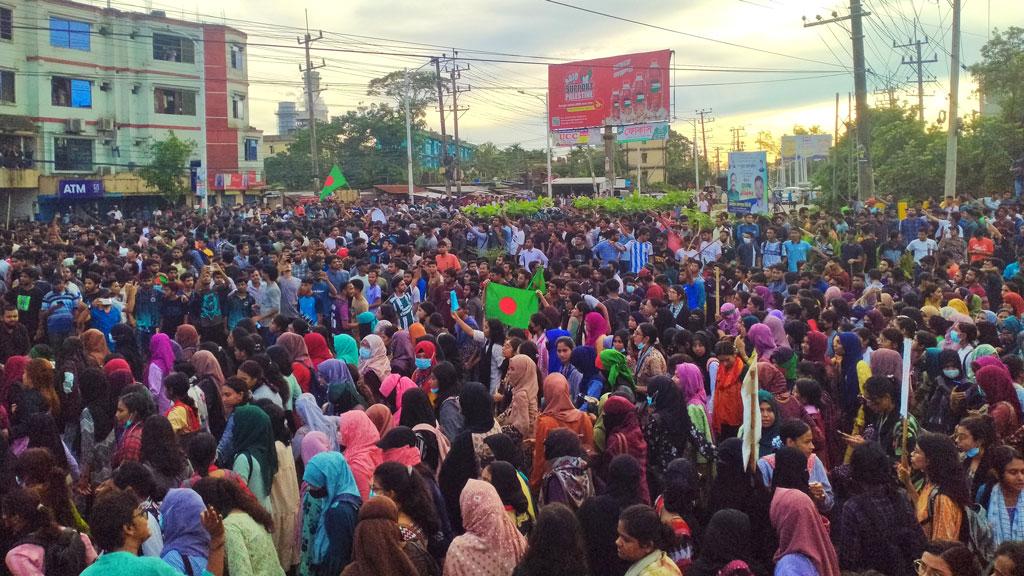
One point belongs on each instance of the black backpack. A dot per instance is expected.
(65, 556)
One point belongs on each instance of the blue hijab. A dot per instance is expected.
(554, 364)
(328, 470)
(849, 386)
(180, 522)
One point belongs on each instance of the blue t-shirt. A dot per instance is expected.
(606, 252)
(148, 304)
(322, 293)
(795, 253)
(239, 308)
(308, 308)
(695, 294)
(61, 307)
(104, 321)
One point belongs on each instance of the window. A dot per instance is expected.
(252, 146)
(171, 101)
(7, 86)
(236, 57)
(173, 48)
(72, 154)
(6, 24)
(71, 92)
(237, 106)
(70, 34)
(643, 157)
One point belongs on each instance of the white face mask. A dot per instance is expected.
(747, 239)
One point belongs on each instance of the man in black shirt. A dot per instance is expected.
(27, 297)
(618, 309)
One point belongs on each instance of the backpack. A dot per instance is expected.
(975, 531)
(65, 556)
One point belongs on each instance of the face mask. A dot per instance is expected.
(954, 336)
(423, 363)
(365, 353)
(639, 345)
(434, 390)
(950, 372)
(630, 289)
(372, 493)
(972, 452)
(747, 240)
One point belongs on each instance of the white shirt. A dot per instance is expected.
(527, 257)
(920, 248)
(710, 251)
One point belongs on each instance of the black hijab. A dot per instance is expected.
(477, 408)
(505, 480)
(670, 409)
(623, 480)
(416, 409)
(790, 470)
(726, 538)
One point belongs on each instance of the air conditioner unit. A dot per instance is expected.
(74, 125)
(105, 170)
(106, 125)
(105, 86)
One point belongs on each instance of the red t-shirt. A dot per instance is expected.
(980, 248)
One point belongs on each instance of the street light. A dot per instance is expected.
(547, 131)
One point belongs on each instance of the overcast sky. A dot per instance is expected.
(498, 113)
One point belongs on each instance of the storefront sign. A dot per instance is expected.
(80, 189)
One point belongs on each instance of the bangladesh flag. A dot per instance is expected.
(537, 281)
(334, 181)
(512, 306)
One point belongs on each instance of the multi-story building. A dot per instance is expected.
(649, 158)
(430, 155)
(85, 91)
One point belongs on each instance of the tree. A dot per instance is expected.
(679, 160)
(1000, 74)
(765, 141)
(420, 84)
(799, 130)
(168, 171)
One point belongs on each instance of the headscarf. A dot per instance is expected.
(596, 328)
(558, 403)
(998, 387)
(584, 359)
(760, 335)
(552, 336)
(817, 347)
(832, 293)
(849, 385)
(295, 345)
(621, 421)
(359, 437)
(790, 469)
(778, 328)
(95, 344)
(730, 319)
(614, 363)
(206, 364)
(346, 349)
(771, 377)
(405, 454)
(959, 305)
(378, 361)
(381, 417)
(669, 408)
(378, 548)
(506, 482)
(369, 319)
(253, 436)
(1015, 301)
(927, 311)
(770, 441)
(477, 408)
(691, 381)
(726, 538)
(403, 358)
(180, 523)
(13, 371)
(979, 352)
(801, 531)
(317, 348)
(315, 420)
(113, 365)
(314, 443)
(160, 353)
(328, 470)
(392, 389)
(491, 544)
(336, 379)
(187, 337)
(417, 331)
(885, 362)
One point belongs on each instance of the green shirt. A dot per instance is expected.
(126, 563)
(250, 548)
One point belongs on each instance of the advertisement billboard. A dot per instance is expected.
(808, 146)
(623, 135)
(80, 188)
(747, 186)
(615, 91)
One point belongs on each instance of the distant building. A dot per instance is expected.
(649, 158)
(430, 156)
(87, 90)
(274, 144)
(287, 117)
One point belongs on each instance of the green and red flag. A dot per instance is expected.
(512, 306)
(537, 281)
(334, 181)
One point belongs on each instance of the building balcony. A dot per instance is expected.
(18, 178)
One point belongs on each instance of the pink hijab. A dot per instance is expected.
(801, 531)
(691, 381)
(596, 328)
(314, 443)
(491, 543)
(763, 340)
(398, 384)
(778, 332)
(359, 437)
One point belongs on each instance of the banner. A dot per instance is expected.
(623, 135)
(80, 189)
(628, 89)
(584, 137)
(806, 146)
(748, 182)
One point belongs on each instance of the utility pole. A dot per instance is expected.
(865, 178)
(737, 138)
(835, 146)
(455, 73)
(310, 76)
(954, 94)
(718, 162)
(703, 135)
(889, 94)
(918, 63)
(696, 158)
(609, 160)
(408, 137)
(444, 137)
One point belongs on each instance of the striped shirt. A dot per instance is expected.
(638, 252)
(61, 307)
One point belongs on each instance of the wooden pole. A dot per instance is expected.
(718, 288)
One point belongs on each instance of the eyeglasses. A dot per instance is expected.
(926, 570)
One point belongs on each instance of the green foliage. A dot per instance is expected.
(420, 86)
(511, 208)
(168, 171)
(635, 204)
(1000, 73)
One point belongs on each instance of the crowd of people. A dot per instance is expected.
(319, 391)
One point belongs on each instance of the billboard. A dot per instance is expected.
(80, 188)
(623, 135)
(627, 89)
(747, 186)
(808, 146)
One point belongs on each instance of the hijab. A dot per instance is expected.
(314, 443)
(315, 420)
(1015, 301)
(403, 358)
(417, 331)
(160, 353)
(790, 469)
(998, 387)
(187, 337)
(381, 417)
(378, 548)
(416, 409)
(691, 382)
(477, 408)
(801, 531)
(346, 349)
(760, 335)
(295, 345)
(113, 365)
(392, 389)
(584, 359)
(778, 328)
(849, 385)
(206, 365)
(959, 306)
(14, 370)
(253, 436)
(596, 328)
(552, 336)
(317, 348)
(367, 319)
(726, 538)
(336, 379)
(558, 404)
(817, 347)
(669, 408)
(378, 361)
(181, 524)
(885, 362)
(359, 437)
(95, 344)
(491, 544)
(614, 364)
(328, 470)
(770, 441)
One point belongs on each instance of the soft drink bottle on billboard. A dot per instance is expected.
(655, 96)
(639, 98)
(616, 109)
(627, 104)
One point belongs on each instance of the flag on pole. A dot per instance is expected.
(751, 431)
(334, 181)
(537, 281)
(512, 306)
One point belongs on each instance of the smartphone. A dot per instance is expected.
(964, 386)
(455, 301)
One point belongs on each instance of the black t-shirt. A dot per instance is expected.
(28, 302)
(618, 313)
